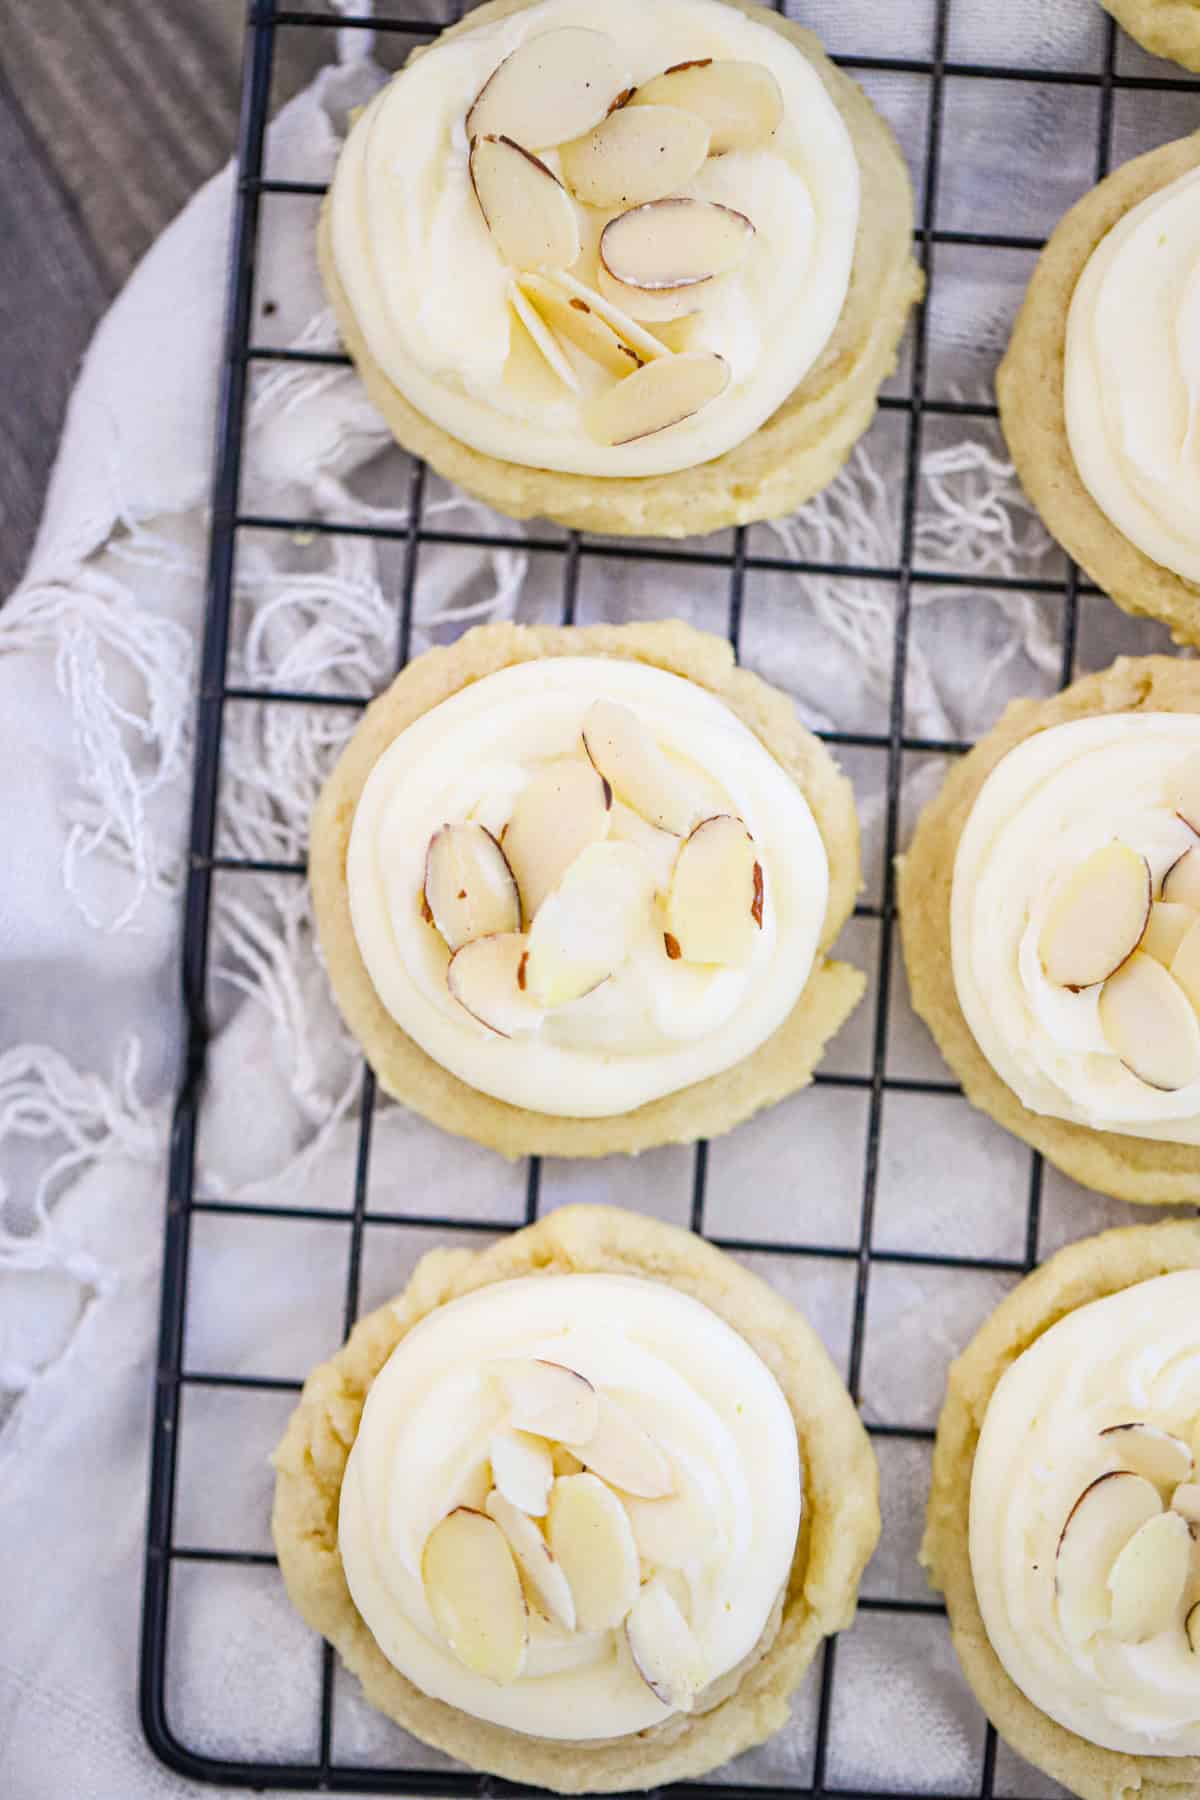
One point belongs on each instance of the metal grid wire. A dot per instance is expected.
(164, 1554)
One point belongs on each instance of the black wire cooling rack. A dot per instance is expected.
(166, 1556)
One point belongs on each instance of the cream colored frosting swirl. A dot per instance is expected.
(688, 1379)
(1132, 378)
(430, 292)
(1131, 1357)
(657, 1025)
(1057, 797)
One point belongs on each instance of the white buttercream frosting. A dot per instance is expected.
(430, 291)
(657, 1024)
(1132, 379)
(1057, 797)
(422, 1449)
(1133, 1356)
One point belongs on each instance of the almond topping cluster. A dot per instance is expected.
(623, 288)
(600, 850)
(581, 1524)
(1128, 1560)
(1107, 927)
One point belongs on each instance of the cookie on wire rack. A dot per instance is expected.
(1095, 388)
(639, 270)
(1062, 1508)
(585, 1592)
(1047, 905)
(1166, 28)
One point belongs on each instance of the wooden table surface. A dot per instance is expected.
(112, 112)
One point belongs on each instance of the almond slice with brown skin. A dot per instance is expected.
(662, 307)
(585, 929)
(664, 1650)
(563, 809)
(628, 757)
(740, 102)
(529, 213)
(545, 1583)
(1185, 964)
(487, 978)
(674, 243)
(1097, 918)
(591, 1539)
(625, 1455)
(1181, 883)
(1148, 1578)
(547, 1398)
(1166, 929)
(552, 88)
(568, 317)
(637, 154)
(1146, 1450)
(662, 394)
(1097, 1529)
(474, 1593)
(647, 346)
(470, 891)
(1183, 790)
(541, 335)
(522, 1470)
(715, 902)
(1150, 1024)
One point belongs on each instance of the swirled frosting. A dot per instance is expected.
(1132, 377)
(422, 1449)
(1052, 801)
(431, 292)
(1131, 1357)
(657, 1024)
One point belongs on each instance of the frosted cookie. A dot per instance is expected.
(575, 888)
(579, 1509)
(645, 280)
(1167, 28)
(1047, 905)
(1065, 1512)
(1100, 388)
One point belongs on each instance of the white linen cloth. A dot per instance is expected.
(97, 662)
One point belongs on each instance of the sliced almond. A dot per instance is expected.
(1098, 1527)
(486, 977)
(1191, 1626)
(630, 760)
(591, 1538)
(740, 102)
(1186, 1501)
(1167, 927)
(541, 335)
(664, 1650)
(1147, 1580)
(474, 1593)
(1148, 1451)
(469, 888)
(559, 813)
(526, 208)
(551, 88)
(522, 1470)
(673, 1531)
(547, 1398)
(1185, 964)
(647, 345)
(655, 307)
(637, 154)
(625, 1455)
(1183, 791)
(1181, 883)
(545, 1583)
(662, 394)
(574, 320)
(585, 929)
(660, 848)
(1097, 918)
(678, 335)
(715, 901)
(674, 243)
(1149, 1023)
